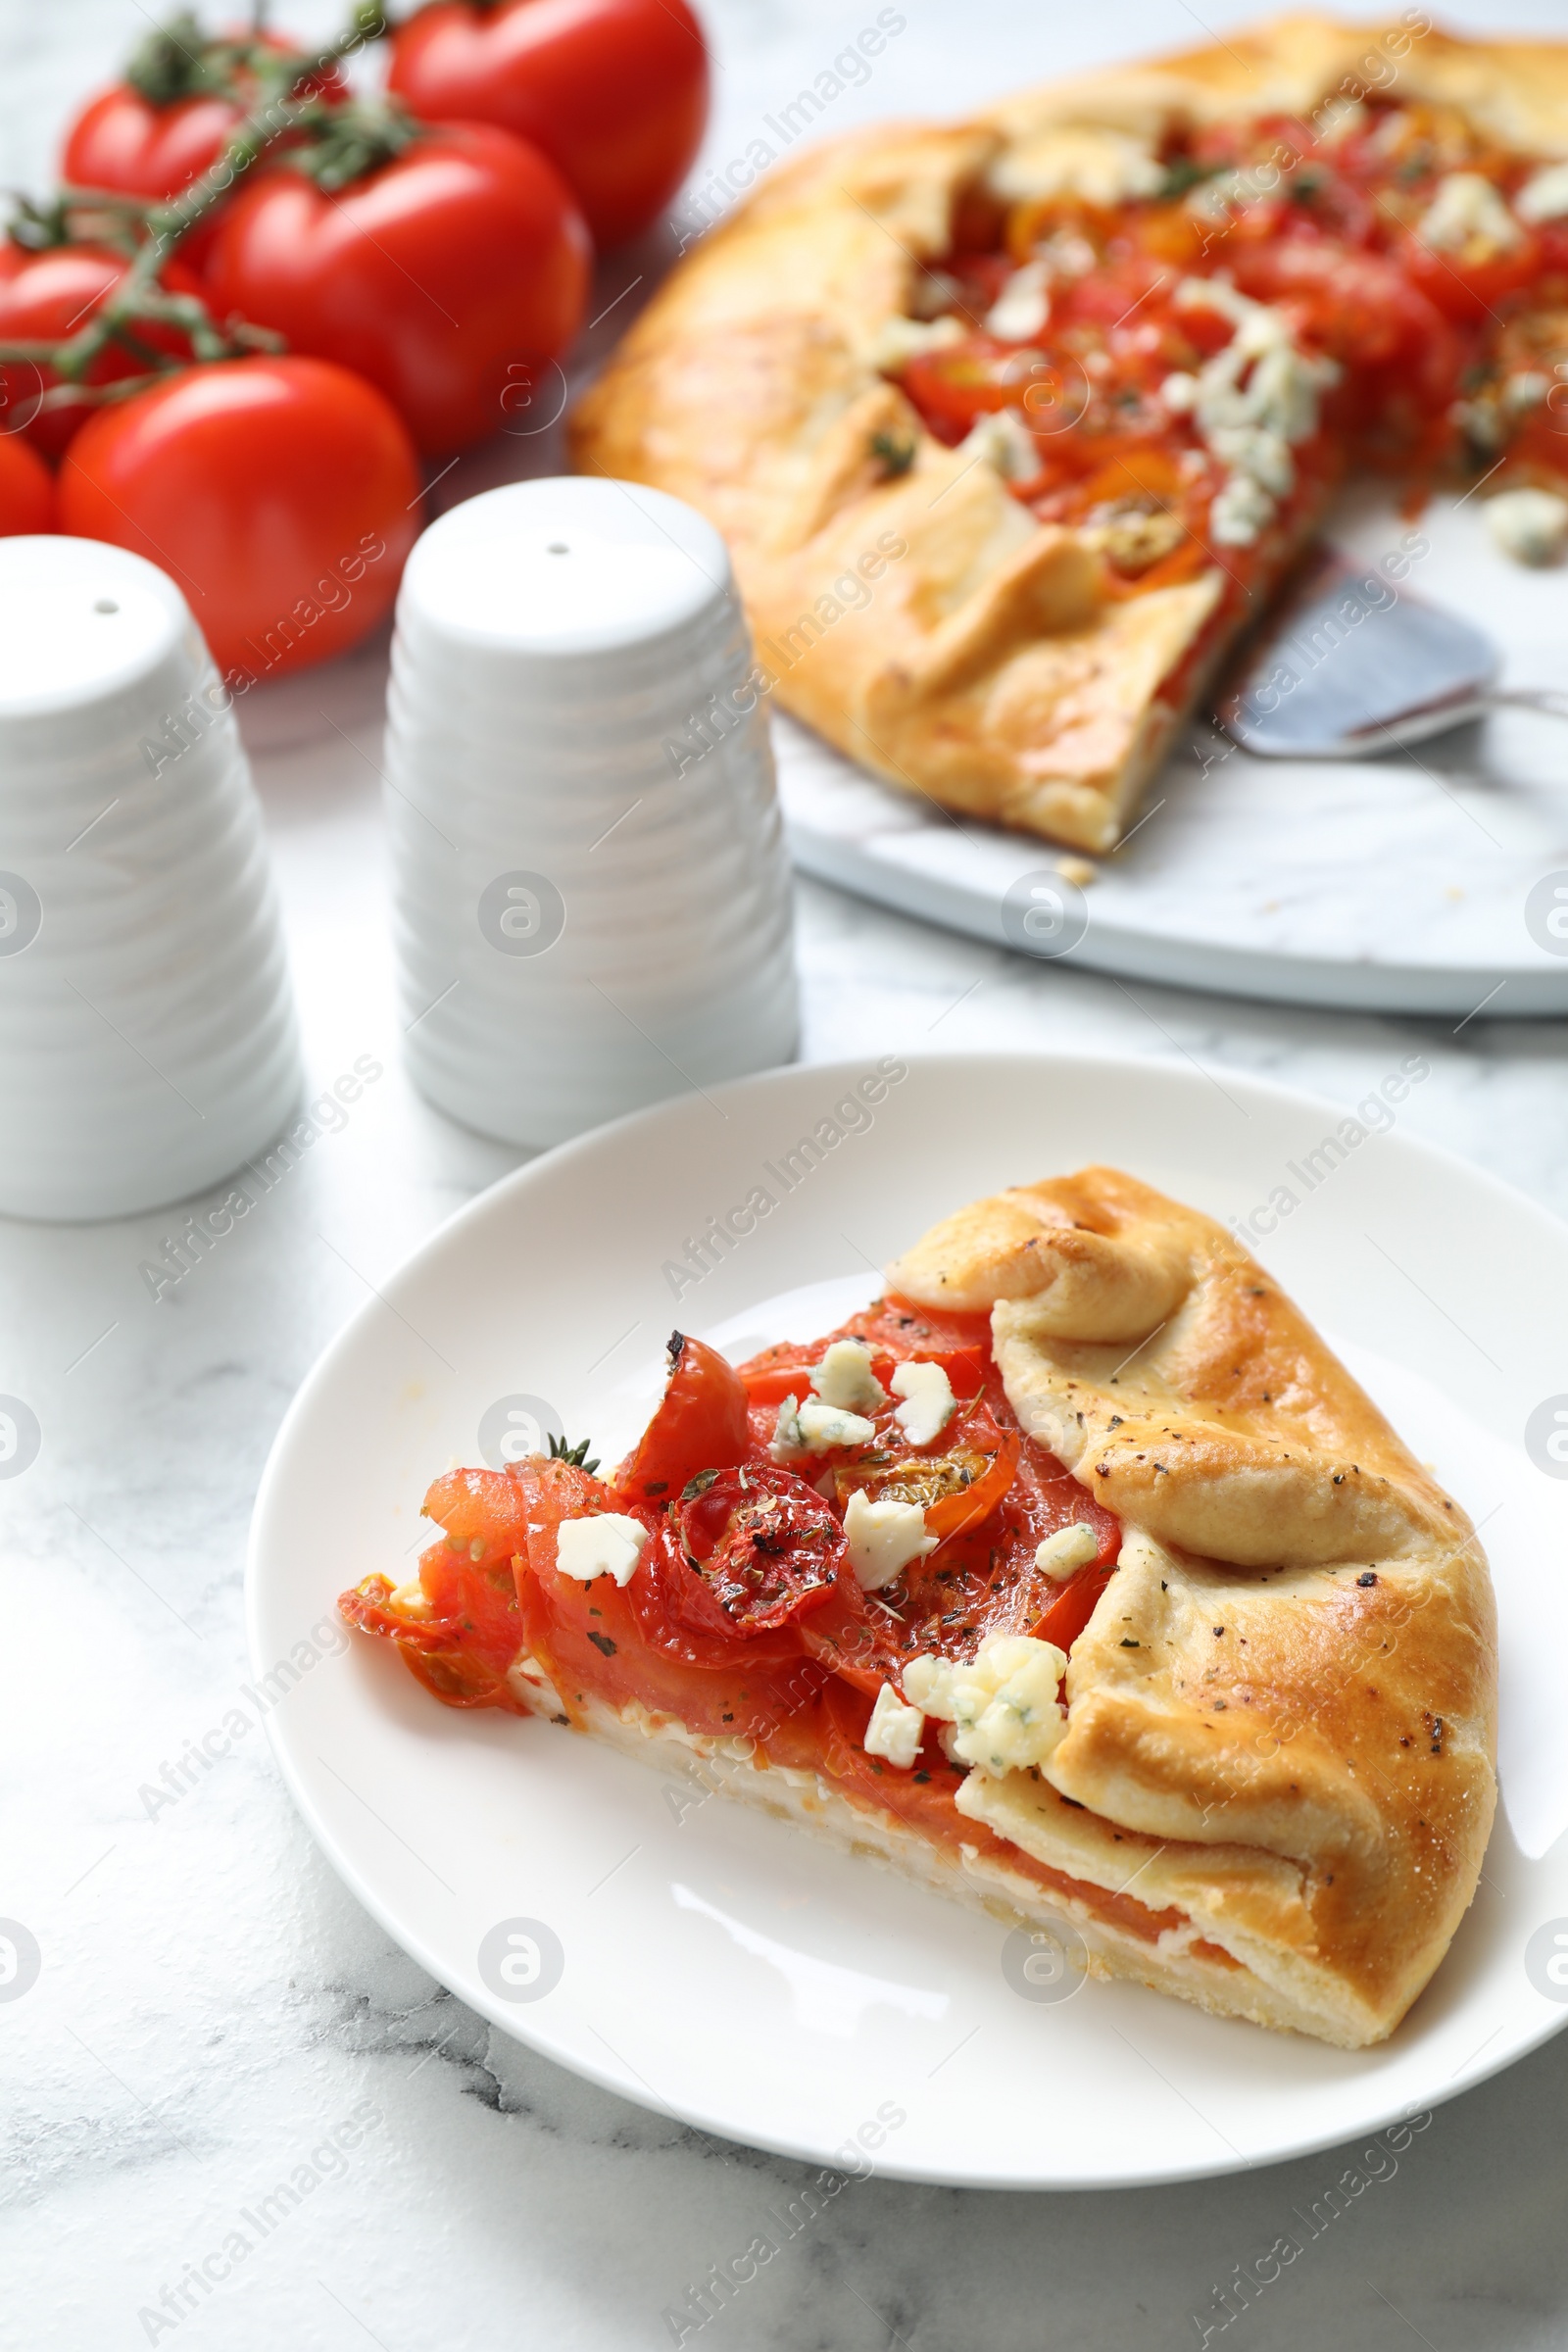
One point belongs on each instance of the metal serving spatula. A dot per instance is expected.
(1351, 665)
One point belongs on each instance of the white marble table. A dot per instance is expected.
(212, 2005)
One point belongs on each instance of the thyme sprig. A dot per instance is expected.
(576, 1455)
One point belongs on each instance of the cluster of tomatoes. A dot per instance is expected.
(361, 282)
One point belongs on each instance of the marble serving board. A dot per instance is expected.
(1418, 882)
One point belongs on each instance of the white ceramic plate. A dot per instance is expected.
(726, 1967)
(1395, 885)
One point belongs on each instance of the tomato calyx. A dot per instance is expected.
(179, 61)
(342, 145)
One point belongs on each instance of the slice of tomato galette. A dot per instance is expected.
(1074, 1578)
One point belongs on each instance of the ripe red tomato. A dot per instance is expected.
(281, 495)
(138, 144)
(435, 276)
(26, 489)
(44, 298)
(614, 91)
(122, 142)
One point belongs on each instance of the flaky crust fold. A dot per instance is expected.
(1288, 1686)
(989, 672)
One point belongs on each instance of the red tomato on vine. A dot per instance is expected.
(280, 494)
(26, 489)
(614, 91)
(46, 296)
(163, 126)
(432, 276)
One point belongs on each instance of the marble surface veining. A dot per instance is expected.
(214, 2014)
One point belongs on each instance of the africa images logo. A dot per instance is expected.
(1547, 1436)
(1547, 1959)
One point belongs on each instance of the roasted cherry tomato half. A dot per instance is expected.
(957, 382)
(763, 1544)
(1471, 282)
(955, 1488)
(701, 1425)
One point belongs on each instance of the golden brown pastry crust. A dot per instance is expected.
(1288, 1690)
(987, 671)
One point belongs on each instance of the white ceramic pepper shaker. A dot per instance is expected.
(147, 1041)
(592, 893)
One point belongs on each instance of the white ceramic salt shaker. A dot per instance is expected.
(147, 1041)
(592, 893)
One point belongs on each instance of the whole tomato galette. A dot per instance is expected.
(1014, 425)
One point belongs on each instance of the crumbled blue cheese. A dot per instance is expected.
(816, 1429)
(1024, 306)
(1262, 455)
(1530, 525)
(898, 340)
(1003, 1707)
(1242, 509)
(1070, 1548)
(883, 1539)
(845, 1378)
(894, 1731)
(1467, 210)
(1249, 404)
(410, 1600)
(1544, 198)
(928, 1403)
(606, 1544)
(1006, 442)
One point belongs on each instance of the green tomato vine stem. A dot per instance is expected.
(348, 139)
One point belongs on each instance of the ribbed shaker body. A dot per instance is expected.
(592, 897)
(147, 1038)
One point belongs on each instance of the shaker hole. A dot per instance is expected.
(106, 604)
